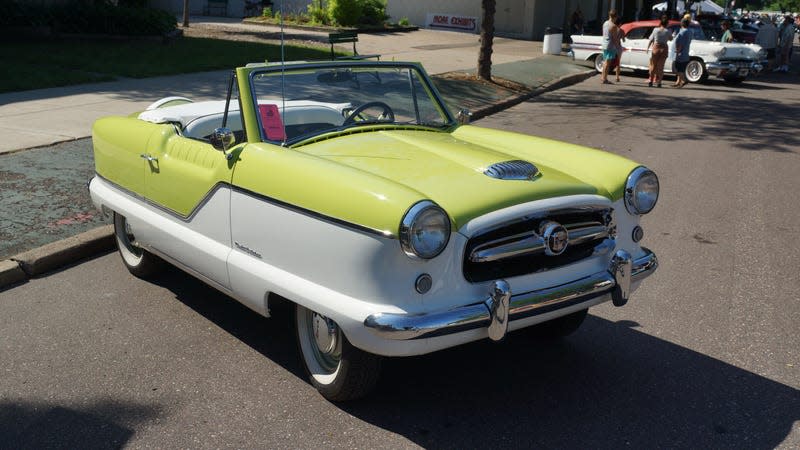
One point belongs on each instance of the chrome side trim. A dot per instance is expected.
(478, 315)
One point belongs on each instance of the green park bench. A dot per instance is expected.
(345, 37)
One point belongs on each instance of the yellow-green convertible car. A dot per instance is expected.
(392, 227)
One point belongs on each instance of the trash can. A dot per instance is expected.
(552, 41)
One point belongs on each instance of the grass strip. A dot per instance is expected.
(50, 63)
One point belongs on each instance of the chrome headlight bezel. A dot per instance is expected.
(420, 215)
(638, 200)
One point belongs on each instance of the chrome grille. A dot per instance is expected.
(519, 247)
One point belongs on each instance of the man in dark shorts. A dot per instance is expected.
(682, 43)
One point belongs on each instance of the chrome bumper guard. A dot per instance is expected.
(501, 306)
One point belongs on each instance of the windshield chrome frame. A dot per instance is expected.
(313, 66)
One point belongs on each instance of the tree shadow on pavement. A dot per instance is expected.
(749, 122)
(607, 386)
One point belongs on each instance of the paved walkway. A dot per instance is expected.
(46, 116)
(44, 210)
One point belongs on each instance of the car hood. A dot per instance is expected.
(448, 168)
(732, 49)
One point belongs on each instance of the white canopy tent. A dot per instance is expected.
(704, 6)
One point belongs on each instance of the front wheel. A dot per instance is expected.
(696, 71)
(598, 63)
(137, 260)
(337, 369)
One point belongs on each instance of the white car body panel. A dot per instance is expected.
(341, 272)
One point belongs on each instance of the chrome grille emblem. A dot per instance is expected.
(555, 236)
(512, 170)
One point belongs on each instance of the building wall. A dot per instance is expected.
(235, 8)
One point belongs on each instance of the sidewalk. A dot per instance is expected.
(47, 116)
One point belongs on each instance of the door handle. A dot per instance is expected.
(148, 157)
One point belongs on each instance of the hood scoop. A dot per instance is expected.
(512, 170)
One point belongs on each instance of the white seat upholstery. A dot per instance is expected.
(198, 120)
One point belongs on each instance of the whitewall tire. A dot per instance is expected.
(696, 71)
(598, 63)
(337, 369)
(138, 261)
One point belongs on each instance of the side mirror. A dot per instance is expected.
(464, 116)
(222, 139)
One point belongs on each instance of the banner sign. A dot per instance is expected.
(452, 22)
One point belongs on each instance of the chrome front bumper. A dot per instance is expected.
(717, 69)
(501, 306)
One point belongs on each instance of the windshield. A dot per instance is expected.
(300, 103)
(696, 30)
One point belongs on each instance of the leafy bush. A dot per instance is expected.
(403, 22)
(373, 12)
(345, 12)
(89, 17)
(318, 15)
(267, 12)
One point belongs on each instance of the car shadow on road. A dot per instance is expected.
(106, 425)
(607, 386)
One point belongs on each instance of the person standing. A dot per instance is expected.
(610, 49)
(786, 39)
(659, 42)
(682, 43)
(617, 39)
(727, 34)
(577, 21)
(767, 37)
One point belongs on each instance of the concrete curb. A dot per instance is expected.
(558, 83)
(55, 255)
(58, 254)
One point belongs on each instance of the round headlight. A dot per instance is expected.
(425, 230)
(641, 191)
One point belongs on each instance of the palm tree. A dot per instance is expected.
(185, 13)
(487, 36)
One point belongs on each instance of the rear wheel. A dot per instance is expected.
(598, 63)
(696, 71)
(560, 327)
(337, 369)
(139, 261)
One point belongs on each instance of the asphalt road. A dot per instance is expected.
(706, 355)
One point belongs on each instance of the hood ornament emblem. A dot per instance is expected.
(555, 237)
(512, 170)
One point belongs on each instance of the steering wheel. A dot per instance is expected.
(387, 115)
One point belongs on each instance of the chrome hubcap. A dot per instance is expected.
(324, 341)
(127, 237)
(325, 334)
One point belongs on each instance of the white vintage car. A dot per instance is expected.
(349, 189)
(732, 62)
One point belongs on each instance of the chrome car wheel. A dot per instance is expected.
(598, 63)
(138, 261)
(696, 71)
(336, 369)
